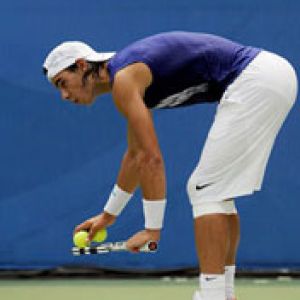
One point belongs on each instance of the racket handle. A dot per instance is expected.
(149, 247)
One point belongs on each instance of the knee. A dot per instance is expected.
(200, 207)
(226, 207)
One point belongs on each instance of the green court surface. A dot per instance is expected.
(148, 289)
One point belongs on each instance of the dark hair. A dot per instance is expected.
(94, 68)
(72, 68)
(45, 71)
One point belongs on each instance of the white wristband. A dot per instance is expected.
(117, 201)
(154, 211)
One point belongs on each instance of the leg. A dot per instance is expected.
(222, 233)
(257, 97)
(234, 238)
(213, 222)
(212, 241)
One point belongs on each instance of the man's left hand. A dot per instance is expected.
(141, 238)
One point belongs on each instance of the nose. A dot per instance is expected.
(65, 95)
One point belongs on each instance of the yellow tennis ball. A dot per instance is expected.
(100, 236)
(80, 239)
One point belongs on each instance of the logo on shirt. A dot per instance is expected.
(183, 96)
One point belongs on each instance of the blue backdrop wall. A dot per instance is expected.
(59, 162)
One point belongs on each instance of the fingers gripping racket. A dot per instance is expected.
(150, 247)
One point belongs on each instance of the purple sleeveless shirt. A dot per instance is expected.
(187, 68)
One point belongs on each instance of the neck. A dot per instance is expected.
(102, 88)
(102, 84)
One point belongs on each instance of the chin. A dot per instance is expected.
(86, 101)
(91, 100)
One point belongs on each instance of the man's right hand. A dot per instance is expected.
(95, 224)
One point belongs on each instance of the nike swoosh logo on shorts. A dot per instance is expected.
(200, 187)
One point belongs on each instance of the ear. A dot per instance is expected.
(103, 73)
(82, 64)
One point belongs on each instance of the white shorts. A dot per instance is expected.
(247, 121)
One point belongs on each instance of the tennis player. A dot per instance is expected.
(254, 89)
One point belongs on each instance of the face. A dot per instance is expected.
(73, 88)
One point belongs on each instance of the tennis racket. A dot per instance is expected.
(150, 247)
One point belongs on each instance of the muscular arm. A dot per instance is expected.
(143, 162)
(128, 178)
